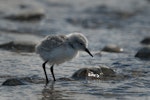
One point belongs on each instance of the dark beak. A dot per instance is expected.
(88, 52)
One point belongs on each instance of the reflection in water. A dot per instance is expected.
(50, 92)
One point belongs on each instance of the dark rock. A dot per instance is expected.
(13, 82)
(81, 73)
(93, 73)
(26, 15)
(19, 46)
(107, 71)
(112, 48)
(143, 53)
(146, 41)
(23, 81)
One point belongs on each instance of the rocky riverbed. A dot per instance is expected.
(118, 33)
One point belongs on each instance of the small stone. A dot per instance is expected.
(143, 53)
(19, 46)
(13, 82)
(146, 41)
(112, 48)
(23, 81)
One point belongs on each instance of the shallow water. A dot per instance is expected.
(127, 32)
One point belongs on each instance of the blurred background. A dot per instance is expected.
(119, 36)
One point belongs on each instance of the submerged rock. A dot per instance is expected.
(146, 41)
(113, 48)
(64, 79)
(143, 53)
(94, 73)
(23, 81)
(13, 82)
(19, 46)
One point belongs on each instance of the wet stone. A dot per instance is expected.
(113, 48)
(19, 46)
(26, 15)
(13, 82)
(146, 41)
(143, 53)
(23, 81)
(107, 71)
(93, 73)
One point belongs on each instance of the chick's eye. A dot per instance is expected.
(81, 43)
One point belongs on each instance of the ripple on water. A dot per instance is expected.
(126, 28)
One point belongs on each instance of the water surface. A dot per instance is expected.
(103, 22)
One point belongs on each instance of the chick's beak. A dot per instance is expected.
(88, 52)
